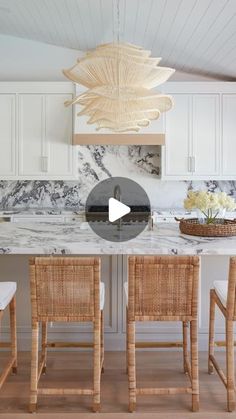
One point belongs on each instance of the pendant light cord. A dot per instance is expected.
(118, 42)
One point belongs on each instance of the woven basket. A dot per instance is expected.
(220, 228)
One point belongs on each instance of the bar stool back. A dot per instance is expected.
(163, 288)
(65, 289)
(224, 296)
(8, 299)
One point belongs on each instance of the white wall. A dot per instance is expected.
(25, 60)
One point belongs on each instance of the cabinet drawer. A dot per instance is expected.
(37, 219)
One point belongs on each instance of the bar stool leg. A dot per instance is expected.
(194, 365)
(97, 365)
(185, 345)
(131, 366)
(34, 367)
(230, 364)
(127, 361)
(211, 348)
(102, 342)
(12, 308)
(44, 347)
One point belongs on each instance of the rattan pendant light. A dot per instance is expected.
(120, 78)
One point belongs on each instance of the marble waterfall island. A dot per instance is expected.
(78, 239)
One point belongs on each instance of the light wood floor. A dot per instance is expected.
(71, 369)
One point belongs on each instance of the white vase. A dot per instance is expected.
(221, 213)
(202, 218)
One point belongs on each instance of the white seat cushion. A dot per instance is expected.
(7, 291)
(221, 289)
(102, 295)
(126, 292)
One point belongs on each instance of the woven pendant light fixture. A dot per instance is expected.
(120, 78)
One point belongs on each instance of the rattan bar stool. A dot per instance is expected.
(8, 299)
(224, 296)
(163, 288)
(66, 289)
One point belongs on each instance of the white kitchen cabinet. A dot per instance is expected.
(31, 134)
(58, 135)
(15, 268)
(177, 130)
(45, 136)
(36, 131)
(228, 135)
(8, 135)
(213, 268)
(205, 135)
(192, 130)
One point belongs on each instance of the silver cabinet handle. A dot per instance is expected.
(193, 164)
(44, 164)
(190, 164)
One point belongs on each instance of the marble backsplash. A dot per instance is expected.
(95, 163)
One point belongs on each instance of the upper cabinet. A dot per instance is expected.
(177, 130)
(205, 135)
(58, 135)
(8, 135)
(31, 134)
(229, 135)
(192, 131)
(37, 133)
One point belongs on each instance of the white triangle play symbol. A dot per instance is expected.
(117, 210)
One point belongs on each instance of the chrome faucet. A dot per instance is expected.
(117, 192)
(117, 195)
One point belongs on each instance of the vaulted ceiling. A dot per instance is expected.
(195, 36)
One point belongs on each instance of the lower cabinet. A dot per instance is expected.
(35, 219)
(113, 274)
(15, 268)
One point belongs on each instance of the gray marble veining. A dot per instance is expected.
(95, 163)
(78, 239)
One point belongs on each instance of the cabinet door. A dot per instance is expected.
(59, 135)
(229, 130)
(31, 134)
(205, 132)
(178, 145)
(7, 135)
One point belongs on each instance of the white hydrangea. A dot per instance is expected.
(209, 203)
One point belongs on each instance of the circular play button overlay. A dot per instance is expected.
(117, 209)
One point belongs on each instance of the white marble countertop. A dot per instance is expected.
(37, 212)
(75, 238)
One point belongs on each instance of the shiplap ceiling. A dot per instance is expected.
(195, 36)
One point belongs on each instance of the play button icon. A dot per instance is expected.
(117, 210)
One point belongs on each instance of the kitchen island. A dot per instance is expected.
(18, 241)
(78, 238)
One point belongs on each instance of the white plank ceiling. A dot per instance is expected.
(195, 36)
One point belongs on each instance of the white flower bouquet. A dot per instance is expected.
(210, 204)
